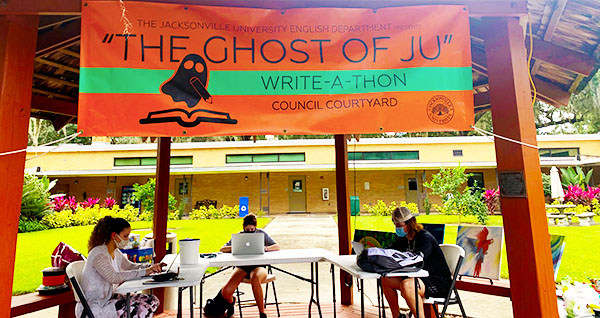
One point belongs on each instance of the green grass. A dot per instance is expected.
(34, 249)
(580, 260)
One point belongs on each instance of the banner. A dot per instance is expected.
(183, 70)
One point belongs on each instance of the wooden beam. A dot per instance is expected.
(477, 8)
(17, 47)
(549, 52)
(161, 205)
(559, 8)
(69, 52)
(576, 83)
(59, 122)
(53, 94)
(536, 67)
(50, 21)
(481, 99)
(53, 105)
(525, 225)
(55, 80)
(56, 39)
(57, 65)
(343, 209)
(45, 7)
(552, 92)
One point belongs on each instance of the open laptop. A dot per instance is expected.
(247, 243)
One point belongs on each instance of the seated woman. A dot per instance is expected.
(413, 238)
(224, 301)
(106, 267)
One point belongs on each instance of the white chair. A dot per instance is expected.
(454, 256)
(74, 271)
(270, 279)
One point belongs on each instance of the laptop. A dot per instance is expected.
(247, 243)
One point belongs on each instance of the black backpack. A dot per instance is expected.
(382, 260)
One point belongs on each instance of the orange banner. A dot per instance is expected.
(180, 70)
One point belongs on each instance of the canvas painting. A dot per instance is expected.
(374, 238)
(557, 246)
(483, 248)
(437, 230)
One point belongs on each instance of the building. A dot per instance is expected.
(285, 176)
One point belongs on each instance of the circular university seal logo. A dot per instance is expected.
(440, 109)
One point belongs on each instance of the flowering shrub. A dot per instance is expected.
(492, 199)
(382, 209)
(109, 203)
(59, 203)
(577, 195)
(90, 202)
(225, 212)
(88, 216)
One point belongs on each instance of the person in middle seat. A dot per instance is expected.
(225, 301)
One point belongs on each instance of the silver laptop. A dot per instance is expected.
(247, 243)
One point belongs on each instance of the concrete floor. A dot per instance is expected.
(309, 231)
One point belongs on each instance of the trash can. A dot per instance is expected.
(354, 205)
(244, 201)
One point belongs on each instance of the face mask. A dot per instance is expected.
(121, 244)
(400, 232)
(249, 231)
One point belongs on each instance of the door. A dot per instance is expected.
(412, 189)
(297, 193)
(183, 194)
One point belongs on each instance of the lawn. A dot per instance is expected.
(580, 260)
(34, 249)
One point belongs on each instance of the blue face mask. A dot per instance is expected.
(400, 232)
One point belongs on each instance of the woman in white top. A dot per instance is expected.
(106, 267)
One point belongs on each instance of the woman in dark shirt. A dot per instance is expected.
(413, 238)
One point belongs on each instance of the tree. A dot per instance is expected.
(447, 184)
(145, 194)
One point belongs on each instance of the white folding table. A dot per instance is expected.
(189, 276)
(288, 256)
(347, 263)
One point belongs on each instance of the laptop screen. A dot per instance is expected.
(247, 243)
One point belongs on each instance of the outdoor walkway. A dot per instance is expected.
(309, 231)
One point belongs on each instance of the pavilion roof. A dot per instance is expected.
(566, 50)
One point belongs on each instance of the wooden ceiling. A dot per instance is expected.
(565, 33)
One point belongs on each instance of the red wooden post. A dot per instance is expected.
(525, 224)
(18, 36)
(343, 207)
(161, 205)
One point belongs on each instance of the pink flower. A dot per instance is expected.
(491, 198)
(59, 203)
(72, 203)
(109, 202)
(90, 202)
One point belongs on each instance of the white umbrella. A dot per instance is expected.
(555, 185)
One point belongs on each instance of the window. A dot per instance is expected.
(150, 161)
(559, 152)
(476, 180)
(274, 157)
(384, 155)
(457, 153)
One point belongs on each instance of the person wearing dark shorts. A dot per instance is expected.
(257, 274)
(413, 238)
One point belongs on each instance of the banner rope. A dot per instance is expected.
(489, 133)
(67, 139)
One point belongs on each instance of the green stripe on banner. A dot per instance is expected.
(421, 79)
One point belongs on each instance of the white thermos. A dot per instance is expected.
(189, 251)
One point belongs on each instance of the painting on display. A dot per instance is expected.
(557, 246)
(483, 248)
(374, 238)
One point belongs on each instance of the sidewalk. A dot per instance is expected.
(309, 231)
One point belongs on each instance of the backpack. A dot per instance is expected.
(382, 260)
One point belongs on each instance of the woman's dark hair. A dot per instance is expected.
(250, 219)
(105, 227)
